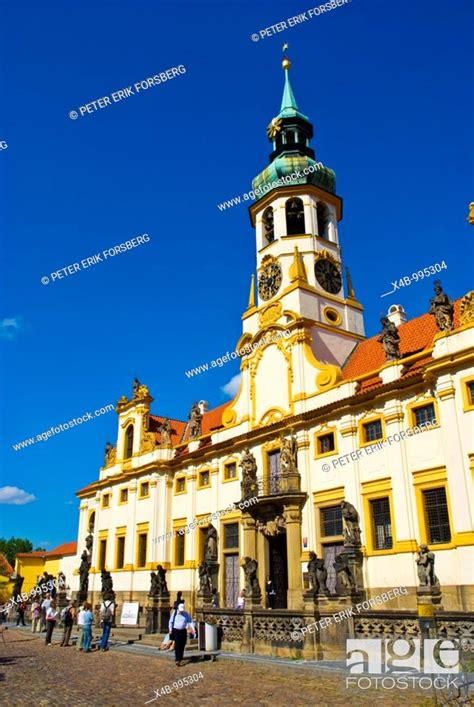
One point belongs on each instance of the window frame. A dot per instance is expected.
(200, 485)
(467, 403)
(424, 481)
(142, 533)
(107, 495)
(118, 539)
(127, 436)
(362, 429)
(177, 538)
(323, 433)
(373, 491)
(225, 478)
(181, 477)
(121, 491)
(411, 407)
(140, 490)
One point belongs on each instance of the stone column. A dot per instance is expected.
(250, 536)
(263, 564)
(292, 514)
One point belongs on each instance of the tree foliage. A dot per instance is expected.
(13, 546)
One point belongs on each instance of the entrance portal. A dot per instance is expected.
(279, 569)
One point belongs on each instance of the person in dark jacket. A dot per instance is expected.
(68, 618)
(21, 614)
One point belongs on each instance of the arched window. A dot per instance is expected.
(294, 217)
(323, 219)
(91, 523)
(268, 229)
(129, 442)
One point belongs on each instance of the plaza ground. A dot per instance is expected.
(32, 673)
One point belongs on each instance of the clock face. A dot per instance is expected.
(269, 281)
(328, 275)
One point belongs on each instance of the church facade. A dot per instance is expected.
(338, 450)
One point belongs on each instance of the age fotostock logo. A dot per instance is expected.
(401, 662)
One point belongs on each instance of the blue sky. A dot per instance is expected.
(388, 89)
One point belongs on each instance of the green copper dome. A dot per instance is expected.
(290, 133)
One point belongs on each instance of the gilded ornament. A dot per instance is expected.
(466, 310)
(270, 314)
(274, 127)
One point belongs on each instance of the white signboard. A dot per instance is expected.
(129, 616)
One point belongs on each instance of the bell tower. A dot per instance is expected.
(302, 320)
(296, 217)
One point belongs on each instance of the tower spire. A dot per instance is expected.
(289, 106)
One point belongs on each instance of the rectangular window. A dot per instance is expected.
(331, 521)
(230, 471)
(470, 392)
(120, 559)
(204, 478)
(102, 553)
(424, 414)
(436, 515)
(381, 523)
(144, 489)
(326, 443)
(181, 484)
(106, 500)
(273, 481)
(142, 543)
(231, 536)
(179, 549)
(372, 431)
(123, 495)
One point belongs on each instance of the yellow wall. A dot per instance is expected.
(30, 568)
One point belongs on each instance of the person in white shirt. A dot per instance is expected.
(45, 604)
(180, 625)
(51, 618)
(107, 610)
(80, 624)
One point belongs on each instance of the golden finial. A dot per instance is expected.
(252, 293)
(286, 63)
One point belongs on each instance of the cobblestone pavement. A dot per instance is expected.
(34, 674)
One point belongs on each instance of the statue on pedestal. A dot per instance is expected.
(84, 575)
(195, 420)
(425, 567)
(210, 551)
(252, 587)
(107, 589)
(351, 523)
(317, 574)
(345, 582)
(390, 339)
(205, 581)
(289, 455)
(248, 465)
(165, 431)
(442, 308)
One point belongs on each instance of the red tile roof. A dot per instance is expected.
(64, 549)
(177, 428)
(415, 335)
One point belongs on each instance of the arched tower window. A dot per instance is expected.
(129, 442)
(268, 228)
(294, 217)
(91, 523)
(323, 219)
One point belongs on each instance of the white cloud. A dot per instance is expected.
(14, 496)
(68, 503)
(10, 326)
(232, 387)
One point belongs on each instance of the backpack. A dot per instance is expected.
(107, 614)
(64, 613)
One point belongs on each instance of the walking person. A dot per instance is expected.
(271, 594)
(80, 628)
(68, 616)
(45, 604)
(21, 614)
(107, 610)
(180, 625)
(87, 620)
(36, 617)
(241, 600)
(51, 618)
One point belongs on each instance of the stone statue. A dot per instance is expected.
(317, 574)
(390, 339)
(107, 589)
(135, 387)
(154, 585)
(272, 527)
(344, 580)
(18, 585)
(89, 542)
(210, 552)
(351, 524)
(195, 419)
(165, 431)
(442, 308)
(248, 465)
(289, 455)
(84, 574)
(109, 454)
(252, 587)
(425, 567)
(205, 581)
(161, 581)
